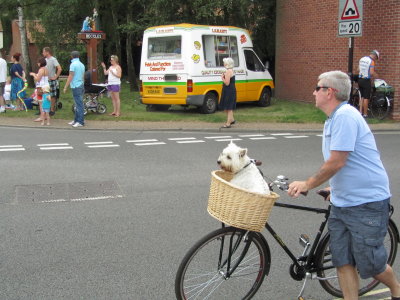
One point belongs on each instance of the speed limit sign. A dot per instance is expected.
(350, 18)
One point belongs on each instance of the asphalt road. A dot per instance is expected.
(111, 214)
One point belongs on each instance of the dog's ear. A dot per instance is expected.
(243, 152)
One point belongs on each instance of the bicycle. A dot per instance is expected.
(231, 263)
(381, 102)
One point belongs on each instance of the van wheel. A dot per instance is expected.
(210, 104)
(265, 98)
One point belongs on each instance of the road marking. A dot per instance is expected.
(251, 135)
(82, 199)
(371, 293)
(10, 146)
(264, 138)
(182, 139)
(149, 144)
(98, 143)
(295, 137)
(141, 141)
(227, 140)
(190, 142)
(218, 137)
(103, 146)
(49, 145)
(57, 148)
(281, 133)
(12, 149)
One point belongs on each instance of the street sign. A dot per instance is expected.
(350, 18)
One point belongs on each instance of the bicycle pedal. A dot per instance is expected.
(304, 240)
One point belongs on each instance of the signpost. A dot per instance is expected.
(92, 39)
(350, 24)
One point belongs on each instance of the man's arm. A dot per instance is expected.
(336, 161)
(69, 79)
(58, 73)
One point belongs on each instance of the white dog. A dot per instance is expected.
(246, 174)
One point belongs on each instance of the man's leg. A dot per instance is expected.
(389, 279)
(348, 281)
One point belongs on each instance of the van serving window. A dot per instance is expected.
(217, 47)
(167, 47)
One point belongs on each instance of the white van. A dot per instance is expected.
(182, 65)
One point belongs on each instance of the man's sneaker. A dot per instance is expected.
(71, 123)
(77, 124)
(2, 109)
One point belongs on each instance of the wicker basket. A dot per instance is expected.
(238, 207)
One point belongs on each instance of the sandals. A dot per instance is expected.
(226, 126)
(233, 122)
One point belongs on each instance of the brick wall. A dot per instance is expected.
(307, 45)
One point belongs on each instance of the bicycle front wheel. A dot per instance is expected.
(380, 107)
(228, 263)
(326, 269)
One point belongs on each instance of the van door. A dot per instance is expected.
(255, 75)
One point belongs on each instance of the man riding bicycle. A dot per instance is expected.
(366, 71)
(359, 190)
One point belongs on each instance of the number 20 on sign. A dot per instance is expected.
(350, 28)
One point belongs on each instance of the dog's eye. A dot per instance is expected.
(228, 157)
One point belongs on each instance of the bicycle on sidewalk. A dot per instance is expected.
(231, 263)
(381, 101)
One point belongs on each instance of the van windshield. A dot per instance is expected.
(168, 47)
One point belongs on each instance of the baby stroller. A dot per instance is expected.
(92, 94)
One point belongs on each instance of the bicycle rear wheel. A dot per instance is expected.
(355, 98)
(380, 107)
(326, 269)
(228, 263)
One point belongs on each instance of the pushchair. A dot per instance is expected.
(91, 97)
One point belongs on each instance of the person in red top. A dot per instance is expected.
(366, 71)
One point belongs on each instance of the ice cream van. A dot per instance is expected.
(182, 65)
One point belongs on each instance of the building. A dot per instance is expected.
(307, 44)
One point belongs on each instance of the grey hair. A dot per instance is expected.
(228, 62)
(339, 81)
(75, 54)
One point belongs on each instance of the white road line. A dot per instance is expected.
(182, 139)
(320, 135)
(295, 137)
(12, 149)
(218, 137)
(281, 133)
(150, 144)
(10, 146)
(49, 145)
(141, 141)
(227, 140)
(82, 199)
(98, 143)
(103, 146)
(264, 138)
(56, 148)
(251, 135)
(190, 142)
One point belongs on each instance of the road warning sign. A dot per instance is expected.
(350, 11)
(350, 18)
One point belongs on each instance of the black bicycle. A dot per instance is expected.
(381, 102)
(231, 263)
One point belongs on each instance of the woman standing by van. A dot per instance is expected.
(228, 96)
(114, 73)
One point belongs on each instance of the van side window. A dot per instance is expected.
(167, 47)
(217, 47)
(252, 61)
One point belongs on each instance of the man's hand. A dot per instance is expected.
(65, 89)
(297, 187)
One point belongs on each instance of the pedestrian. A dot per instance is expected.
(17, 74)
(114, 73)
(46, 105)
(55, 70)
(228, 95)
(75, 79)
(7, 94)
(359, 187)
(41, 79)
(3, 78)
(366, 72)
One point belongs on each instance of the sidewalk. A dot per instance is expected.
(200, 126)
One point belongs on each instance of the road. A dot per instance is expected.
(110, 214)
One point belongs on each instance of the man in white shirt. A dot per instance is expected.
(3, 77)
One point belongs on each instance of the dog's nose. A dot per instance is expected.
(218, 162)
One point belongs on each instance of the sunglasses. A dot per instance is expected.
(317, 88)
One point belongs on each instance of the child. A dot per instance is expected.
(46, 104)
(7, 94)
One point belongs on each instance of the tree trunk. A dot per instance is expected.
(24, 46)
(129, 58)
(117, 38)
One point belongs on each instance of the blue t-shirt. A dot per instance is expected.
(363, 179)
(46, 104)
(16, 68)
(79, 70)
